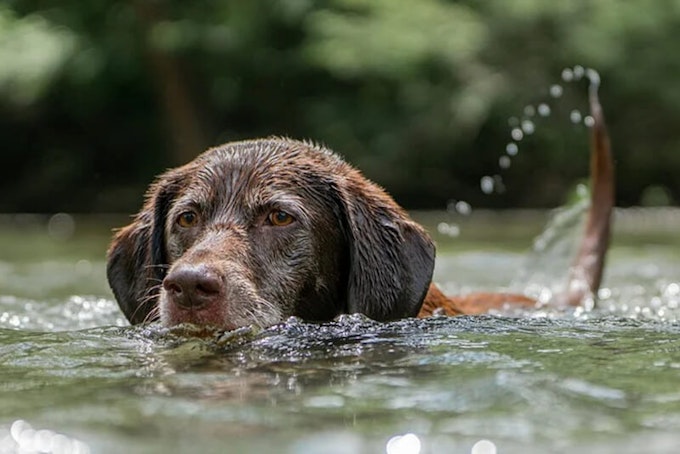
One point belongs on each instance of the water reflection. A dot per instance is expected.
(22, 438)
(403, 444)
(61, 226)
(484, 447)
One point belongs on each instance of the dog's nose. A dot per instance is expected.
(191, 286)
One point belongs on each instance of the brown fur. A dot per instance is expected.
(436, 303)
(344, 246)
(350, 248)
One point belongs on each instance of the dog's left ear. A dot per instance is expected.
(137, 259)
(391, 256)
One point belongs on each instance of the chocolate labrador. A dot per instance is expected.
(250, 233)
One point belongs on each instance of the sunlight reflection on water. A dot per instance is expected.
(403, 444)
(21, 438)
(76, 312)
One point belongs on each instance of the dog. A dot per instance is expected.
(253, 232)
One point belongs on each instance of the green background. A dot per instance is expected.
(97, 97)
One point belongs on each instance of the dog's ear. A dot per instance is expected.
(391, 257)
(137, 259)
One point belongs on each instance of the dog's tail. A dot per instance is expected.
(585, 274)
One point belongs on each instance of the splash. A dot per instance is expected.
(542, 274)
(525, 125)
(585, 272)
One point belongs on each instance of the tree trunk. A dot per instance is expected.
(184, 129)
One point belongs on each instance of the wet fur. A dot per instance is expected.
(352, 248)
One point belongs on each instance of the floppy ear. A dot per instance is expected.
(391, 256)
(137, 259)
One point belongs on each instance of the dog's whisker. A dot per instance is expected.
(154, 279)
(144, 302)
(161, 266)
(154, 314)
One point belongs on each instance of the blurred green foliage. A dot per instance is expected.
(97, 97)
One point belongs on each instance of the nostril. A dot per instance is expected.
(209, 284)
(172, 286)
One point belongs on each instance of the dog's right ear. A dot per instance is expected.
(391, 258)
(137, 259)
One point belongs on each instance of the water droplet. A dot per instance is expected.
(512, 149)
(487, 184)
(575, 116)
(604, 293)
(589, 121)
(516, 134)
(556, 91)
(463, 207)
(484, 447)
(17, 427)
(504, 162)
(459, 207)
(403, 444)
(513, 122)
(579, 71)
(543, 110)
(545, 295)
(528, 127)
(567, 74)
(61, 226)
(451, 230)
(593, 76)
(529, 110)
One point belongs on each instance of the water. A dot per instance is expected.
(76, 378)
(525, 125)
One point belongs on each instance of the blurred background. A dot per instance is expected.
(433, 99)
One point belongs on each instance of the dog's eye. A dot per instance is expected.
(187, 219)
(280, 218)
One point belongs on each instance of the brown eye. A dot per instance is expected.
(187, 219)
(280, 218)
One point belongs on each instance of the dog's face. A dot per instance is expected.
(254, 232)
(251, 220)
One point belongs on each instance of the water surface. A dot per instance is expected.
(76, 378)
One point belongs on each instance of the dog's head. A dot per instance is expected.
(254, 232)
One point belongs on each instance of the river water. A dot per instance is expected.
(76, 378)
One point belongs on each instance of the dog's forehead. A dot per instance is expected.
(262, 157)
(257, 172)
